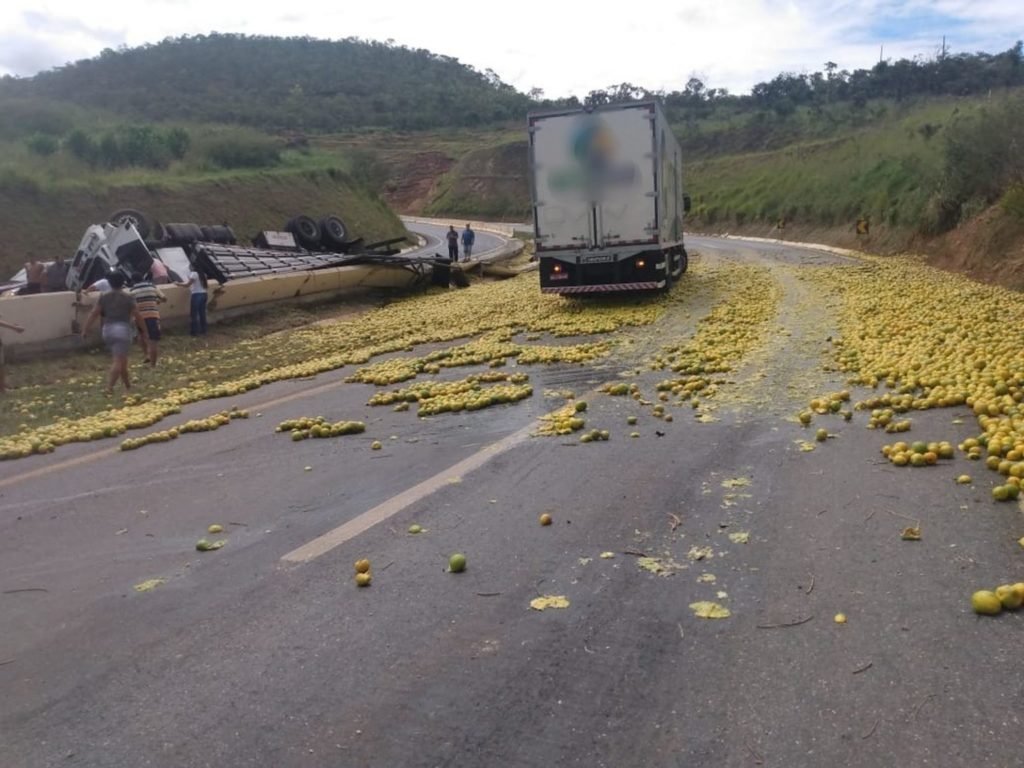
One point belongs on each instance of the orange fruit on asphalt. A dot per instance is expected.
(362, 566)
(545, 519)
(363, 579)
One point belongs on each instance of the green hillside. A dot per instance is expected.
(278, 83)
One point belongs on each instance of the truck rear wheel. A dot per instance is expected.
(684, 261)
(182, 234)
(334, 233)
(137, 219)
(306, 232)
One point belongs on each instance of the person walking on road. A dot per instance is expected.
(3, 376)
(117, 310)
(453, 243)
(197, 285)
(468, 238)
(147, 298)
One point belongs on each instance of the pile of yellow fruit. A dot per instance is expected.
(564, 421)
(734, 327)
(496, 311)
(468, 390)
(208, 424)
(992, 602)
(934, 340)
(319, 427)
(918, 453)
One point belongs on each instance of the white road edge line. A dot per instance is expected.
(323, 544)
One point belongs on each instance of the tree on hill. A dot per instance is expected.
(280, 83)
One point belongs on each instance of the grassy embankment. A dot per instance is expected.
(227, 174)
(814, 170)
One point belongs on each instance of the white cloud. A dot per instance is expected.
(568, 47)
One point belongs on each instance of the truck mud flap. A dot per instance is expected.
(647, 285)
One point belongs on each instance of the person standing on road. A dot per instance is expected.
(57, 275)
(118, 312)
(34, 274)
(3, 376)
(453, 243)
(196, 283)
(468, 238)
(147, 298)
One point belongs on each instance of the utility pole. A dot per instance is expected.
(881, 48)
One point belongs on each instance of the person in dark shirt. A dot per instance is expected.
(118, 311)
(468, 238)
(57, 276)
(453, 243)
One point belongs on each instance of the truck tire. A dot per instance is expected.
(669, 264)
(183, 233)
(136, 218)
(218, 233)
(334, 233)
(306, 232)
(684, 261)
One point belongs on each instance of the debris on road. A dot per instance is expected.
(705, 609)
(700, 553)
(740, 537)
(607, 555)
(549, 601)
(415, 528)
(457, 563)
(205, 545)
(911, 533)
(786, 624)
(149, 585)
(215, 528)
(545, 519)
(840, 618)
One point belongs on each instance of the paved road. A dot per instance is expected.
(265, 654)
(436, 244)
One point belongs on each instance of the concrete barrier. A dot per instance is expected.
(51, 319)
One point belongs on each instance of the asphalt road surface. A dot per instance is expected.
(434, 234)
(265, 653)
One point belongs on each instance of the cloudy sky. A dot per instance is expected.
(565, 47)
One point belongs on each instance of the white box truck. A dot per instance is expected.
(608, 199)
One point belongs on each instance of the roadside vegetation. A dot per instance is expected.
(914, 148)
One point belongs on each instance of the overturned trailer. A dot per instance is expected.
(131, 243)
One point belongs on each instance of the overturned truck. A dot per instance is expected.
(130, 242)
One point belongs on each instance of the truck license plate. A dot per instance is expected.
(596, 259)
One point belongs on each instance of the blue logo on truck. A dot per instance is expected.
(595, 151)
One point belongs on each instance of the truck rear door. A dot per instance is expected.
(593, 178)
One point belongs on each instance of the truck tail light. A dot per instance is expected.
(640, 263)
(557, 268)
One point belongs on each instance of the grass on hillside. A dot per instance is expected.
(887, 172)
